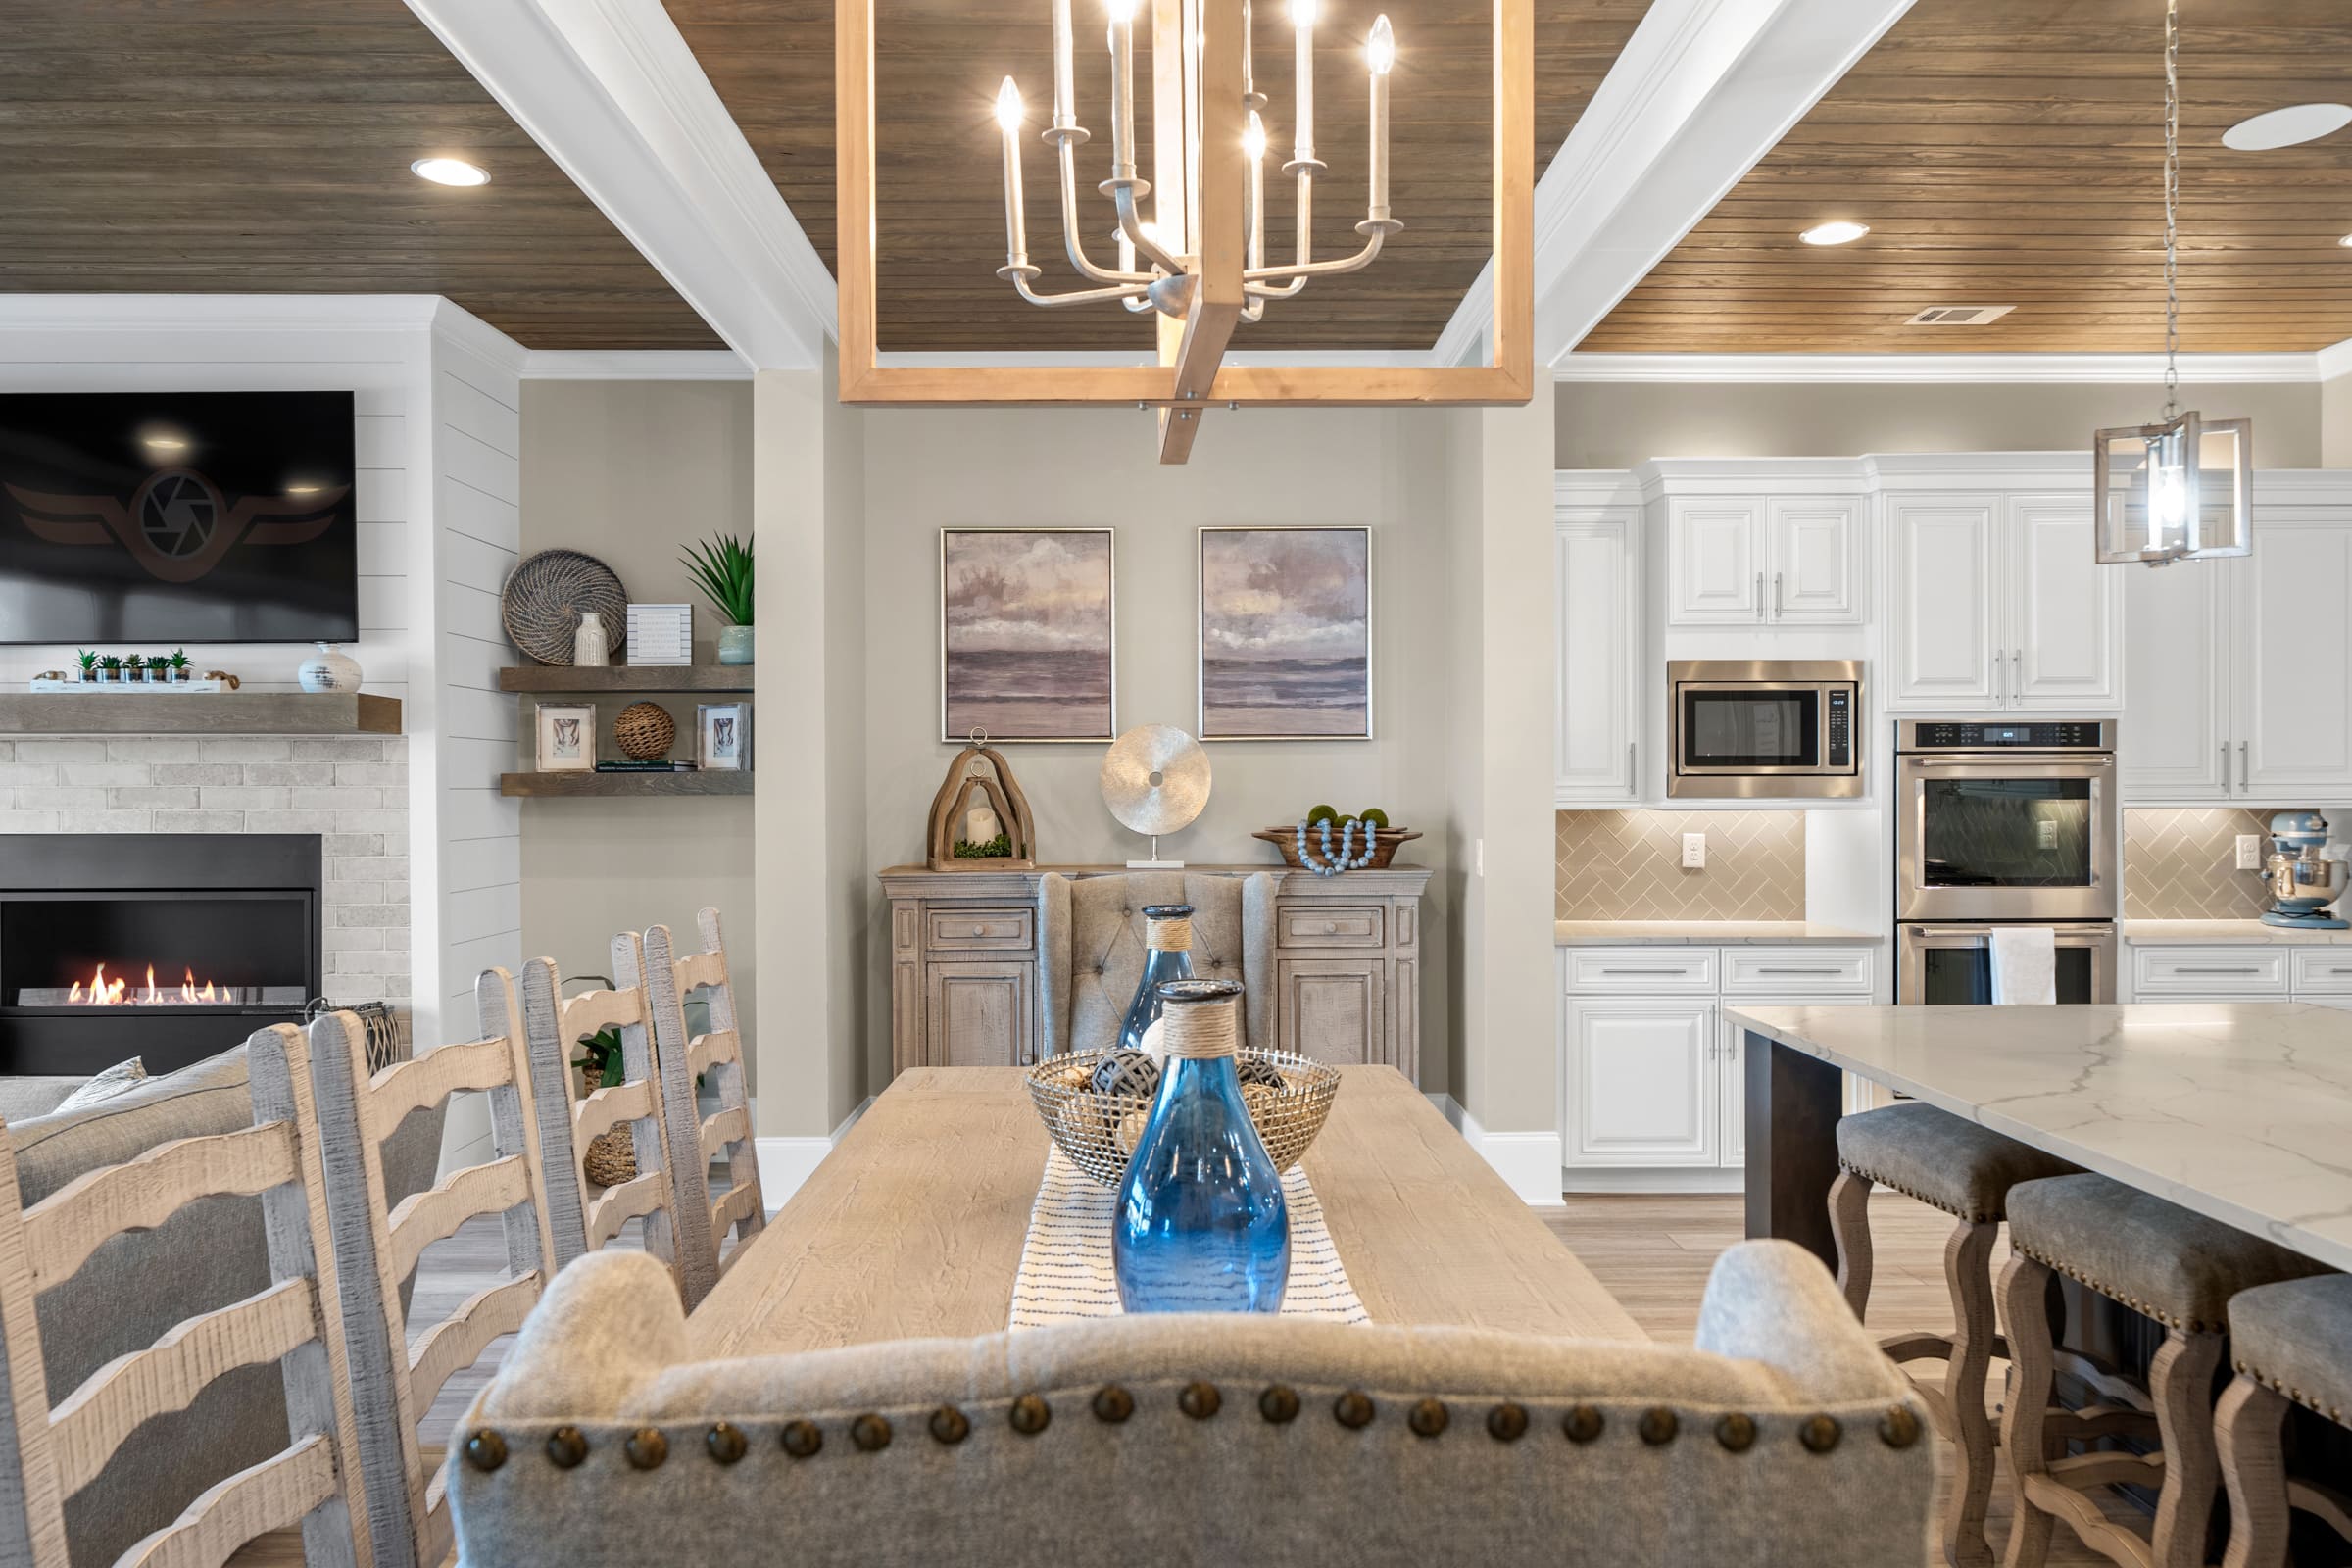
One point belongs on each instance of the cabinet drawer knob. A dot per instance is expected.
(1331, 928)
(979, 930)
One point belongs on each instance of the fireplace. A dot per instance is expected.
(169, 947)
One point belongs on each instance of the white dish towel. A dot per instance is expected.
(2025, 964)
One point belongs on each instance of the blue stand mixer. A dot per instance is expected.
(2301, 883)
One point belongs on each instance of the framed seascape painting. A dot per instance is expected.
(1025, 634)
(1286, 635)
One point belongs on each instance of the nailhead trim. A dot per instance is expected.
(2279, 1386)
(801, 1439)
(485, 1451)
(1737, 1432)
(870, 1432)
(1507, 1422)
(1114, 1403)
(949, 1425)
(1428, 1418)
(1820, 1434)
(1199, 1400)
(1583, 1423)
(1876, 1179)
(1658, 1426)
(1352, 1409)
(2144, 1308)
(1898, 1428)
(1030, 1415)
(566, 1446)
(1279, 1403)
(724, 1442)
(645, 1448)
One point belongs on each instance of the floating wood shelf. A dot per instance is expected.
(568, 678)
(162, 712)
(699, 783)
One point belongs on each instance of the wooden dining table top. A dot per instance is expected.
(912, 1226)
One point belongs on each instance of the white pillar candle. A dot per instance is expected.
(1008, 120)
(1381, 53)
(1302, 19)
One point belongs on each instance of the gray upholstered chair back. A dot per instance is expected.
(1785, 1438)
(1091, 948)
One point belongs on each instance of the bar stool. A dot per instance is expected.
(2292, 1343)
(1953, 1165)
(2159, 1260)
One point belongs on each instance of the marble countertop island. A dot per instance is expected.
(2241, 1112)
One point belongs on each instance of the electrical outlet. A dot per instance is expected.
(2250, 851)
(1695, 852)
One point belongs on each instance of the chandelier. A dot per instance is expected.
(1168, 262)
(2180, 489)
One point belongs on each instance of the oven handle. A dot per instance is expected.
(2063, 928)
(2004, 758)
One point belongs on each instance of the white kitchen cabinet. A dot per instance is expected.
(1598, 685)
(1640, 1081)
(2174, 744)
(1763, 561)
(1998, 605)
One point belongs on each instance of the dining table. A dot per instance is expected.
(913, 1225)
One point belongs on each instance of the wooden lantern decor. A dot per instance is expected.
(980, 781)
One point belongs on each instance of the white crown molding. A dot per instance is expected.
(454, 324)
(218, 313)
(1702, 90)
(610, 90)
(635, 364)
(2335, 359)
(1946, 368)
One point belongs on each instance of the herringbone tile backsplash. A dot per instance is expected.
(1627, 866)
(2181, 864)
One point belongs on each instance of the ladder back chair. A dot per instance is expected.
(582, 1216)
(48, 1454)
(394, 1386)
(695, 1140)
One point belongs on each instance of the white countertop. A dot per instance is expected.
(2239, 1111)
(1706, 933)
(2203, 933)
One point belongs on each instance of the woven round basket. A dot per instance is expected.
(1099, 1130)
(611, 1158)
(544, 595)
(644, 731)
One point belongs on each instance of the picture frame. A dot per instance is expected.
(1285, 633)
(567, 737)
(722, 737)
(1028, 635)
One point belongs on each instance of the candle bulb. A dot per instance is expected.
(1008, 120)
(1063, 67)
(1122, 88)
(1253, 146)
(1302, 17)
(1380, 54)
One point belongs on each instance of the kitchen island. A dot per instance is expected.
(2241, 1112)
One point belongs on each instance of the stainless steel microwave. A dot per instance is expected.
(1743, 729)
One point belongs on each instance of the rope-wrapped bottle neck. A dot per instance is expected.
(1201, 1019)
(1168, 928)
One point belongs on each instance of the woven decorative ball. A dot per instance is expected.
(644, 731)
(1288, 1098)
(611, 1158)
(544, 596)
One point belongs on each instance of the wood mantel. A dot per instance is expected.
(168, 712)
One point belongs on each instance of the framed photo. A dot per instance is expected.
(1026, 644)
(1286, 635)
(567, 737)
(723, 736)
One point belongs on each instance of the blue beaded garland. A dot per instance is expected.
(1347, 860)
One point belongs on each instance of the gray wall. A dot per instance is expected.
(631, 471)
(1610, 424)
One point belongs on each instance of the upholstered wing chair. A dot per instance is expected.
(1091, 948)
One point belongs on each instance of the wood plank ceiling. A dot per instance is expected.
(2010, 152)
(941, 213)
(208, 146)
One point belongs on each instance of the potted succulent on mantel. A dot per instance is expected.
(722, 570)
(89, 662)
(110, 668)
(177, 665)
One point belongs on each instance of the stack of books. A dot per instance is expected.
(658, 764)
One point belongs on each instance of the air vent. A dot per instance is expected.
(1959, 315)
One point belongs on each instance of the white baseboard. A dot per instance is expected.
(1450, 1109)
(786, 1163)
(1530, 1162)
(1589, 1179)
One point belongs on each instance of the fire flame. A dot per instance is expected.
(116, 993)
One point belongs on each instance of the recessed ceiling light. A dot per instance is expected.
(450, 172)
(2284, 127)
(2346, 242)
(1839, 232)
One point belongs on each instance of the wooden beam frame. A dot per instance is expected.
(1508, 377)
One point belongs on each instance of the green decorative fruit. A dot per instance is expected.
(1323, 814)
(1374, 817)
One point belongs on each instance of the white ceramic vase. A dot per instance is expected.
(330, 669)
(591, 647)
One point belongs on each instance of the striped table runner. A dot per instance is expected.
(1065, 1260)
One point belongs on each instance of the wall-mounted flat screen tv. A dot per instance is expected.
(172, 517)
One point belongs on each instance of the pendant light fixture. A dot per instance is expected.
(2180, 489)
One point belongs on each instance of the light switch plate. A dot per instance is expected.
(2250, 851)
(1695, 852)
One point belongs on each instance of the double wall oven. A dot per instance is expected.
(2008, 822)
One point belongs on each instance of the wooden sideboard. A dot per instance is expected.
(965, 988)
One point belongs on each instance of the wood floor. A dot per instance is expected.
(1652, 1252)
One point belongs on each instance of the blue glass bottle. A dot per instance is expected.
(1168, 956)
(1201, 1225)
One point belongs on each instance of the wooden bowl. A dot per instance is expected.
(1385, 842)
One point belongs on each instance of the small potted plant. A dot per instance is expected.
(134, 667)
(177, 665)
(89, 662)
(110, 668)
(722, 570)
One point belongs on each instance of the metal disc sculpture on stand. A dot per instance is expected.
(1155, 780)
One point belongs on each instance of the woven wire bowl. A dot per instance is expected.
(541, 602)
(1099, 1131)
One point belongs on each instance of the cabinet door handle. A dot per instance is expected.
(2246, 779)
(1633, 776)
(2000, 680)
(1777, 610)
(2017, 674)
(1662, 969)
(2225, 767)
(2190, 968)
(1759, 596)
(1800, 971)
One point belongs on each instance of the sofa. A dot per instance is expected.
(1784, 1438)
(137, 1286)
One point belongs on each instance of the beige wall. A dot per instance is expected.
(2336, 423)
(1617, 424)
(925, 468)
(630, 471)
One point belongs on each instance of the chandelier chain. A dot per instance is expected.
(2172, 203)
